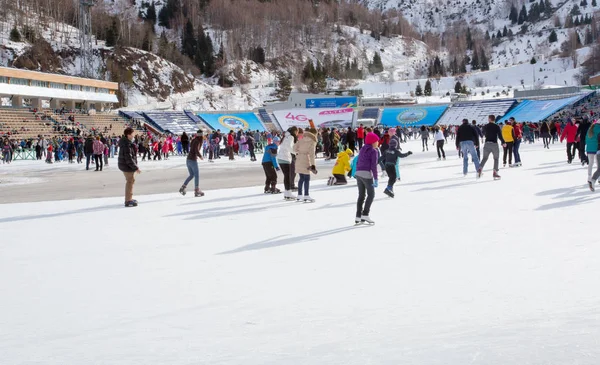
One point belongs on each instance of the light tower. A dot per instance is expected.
(85, 38)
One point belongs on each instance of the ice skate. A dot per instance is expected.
(496, 176)
(357, 221)
(275, 191)
(479, 173)
(131, 203)
(439, 159)
(287, 195)
(330, 181)
(300, 198)
(366, 219)
(198, 193)
(308, 199)
(182, 190)
(591, 185)
(389, 192)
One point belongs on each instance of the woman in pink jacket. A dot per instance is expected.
(165, 149)
(98, 148)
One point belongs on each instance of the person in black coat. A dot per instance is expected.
(351, 139)
(185, 143)
(88, 150)
(128, 165)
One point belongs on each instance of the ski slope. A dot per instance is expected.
(455, 271)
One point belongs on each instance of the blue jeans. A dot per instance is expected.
(469, 147)
(516, 150)
(192, 167)
(303, 181)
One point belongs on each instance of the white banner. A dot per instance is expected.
(329, 118)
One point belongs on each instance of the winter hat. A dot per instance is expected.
(371, 138)
(393, 143)
(276, 139)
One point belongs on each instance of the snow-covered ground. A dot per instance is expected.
(456, 271)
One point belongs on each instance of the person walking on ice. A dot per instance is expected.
(366, 178)
(438, 138)
(270, 166)
(285, 158)
(341, 168)
(305, 163)
(467, 137)
(391, 159)
(192, 165)
(128, 165)
(492, 134)
(592, 146)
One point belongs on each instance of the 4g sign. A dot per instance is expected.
(307, 118)
(296, 118)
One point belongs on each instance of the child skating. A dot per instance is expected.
(270, 166)
(391, 159)
(341, 168)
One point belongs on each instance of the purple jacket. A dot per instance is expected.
(367, 160)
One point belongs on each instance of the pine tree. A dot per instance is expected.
(419, 90)
(168, 12)
(463, 65)
(577, 21)
(284, 85)
(151, 14)
(589, 37)
(485, 65)
(15, 35)
(522, 15)
(111, 34)
(510, 33)
(505, 31)
(469, 39)
(188, 40)
(514, 15)
(499, 35)
(533, 61)
(475, 63)
(584, 3)
(594, 3)
(427, 91)
(575, 11)
(163, 45)
(553, 37)
(376, 66)
(457, 87)
(548, 6)
(487, 35)
(542, 6)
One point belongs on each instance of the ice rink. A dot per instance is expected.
(455, 271)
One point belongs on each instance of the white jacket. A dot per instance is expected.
(439, 136)
(286, 148)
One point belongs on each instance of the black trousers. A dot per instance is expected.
(352, 146)
(99, 162)
(571, 150)
(582, 154)
(293, 171)
(391, 173)
(509, 148)
(365, 191)
(285, 168)
(270, 175)
(251, 150)
(360, 142)
(440, 148)
(186, 147)
(340, 179)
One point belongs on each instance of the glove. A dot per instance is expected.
(313, 169)
(409, 153)
(278, 169)
(376, 183)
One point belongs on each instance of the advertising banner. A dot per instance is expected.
(226, 122)
(330, 118)
(341, 102)
(412, 116)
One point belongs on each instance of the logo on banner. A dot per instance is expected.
(231, 122)
(411, 116)
(296, 118)
(337, 111)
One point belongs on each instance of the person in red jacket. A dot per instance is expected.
(518, 131)
(230, 143)
(570, 133)
(360, 136)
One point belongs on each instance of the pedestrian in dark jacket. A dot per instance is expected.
(192, 165)
(128, 165)
(185, 143)
(88, 149)
(467, 138)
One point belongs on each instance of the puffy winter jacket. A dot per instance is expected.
(305, 150)
(342, 165)
(286, 149)
(98, 147)
(127, 156)
(570, 132)
(270, 155)
(508, 133)
(591, 139)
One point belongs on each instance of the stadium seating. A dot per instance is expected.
(270, 123)
(172, 122)
(369, 113)
(478, 111)
(25, 124)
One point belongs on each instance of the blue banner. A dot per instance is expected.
(537, 110)
(234, 121)
(412, 116)
(341, 102)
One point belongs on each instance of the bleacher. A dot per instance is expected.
(369, 113)
(478, 111)
(25, 124)
(269, 123)
(198, 121)
(172, 122)
(108, 124)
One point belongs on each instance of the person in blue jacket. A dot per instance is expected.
(270, 166)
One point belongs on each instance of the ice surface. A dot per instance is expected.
(456, 271)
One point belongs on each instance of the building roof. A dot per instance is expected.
(63, 79)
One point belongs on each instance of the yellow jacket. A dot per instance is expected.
(342, 165)
(507, 133)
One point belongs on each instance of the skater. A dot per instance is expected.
(270, 166)
(98, 152)
(366, 177)
(424, 137)
(592, 143)
(439, 138)
(518, 138)
(305, 163)
(391, 160)
(49, 153)
(545, 134)
(88, 149)
(360, 136)
(185, 143)
(584, 127)
(508, 134)
(492, 134)
(284, 159)
(128, 165)
(467, 138)
(341, 168)
(250, 142)
(192, 165)
(569, 133)
(230, 145)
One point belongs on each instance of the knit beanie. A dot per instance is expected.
(393, 143)
(371, 138)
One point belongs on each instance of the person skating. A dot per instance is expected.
(391, 159)
(569, 133)
(518, 139)
(492, 134)
(592, 144)
(270, 167)
(360, 136)
(88, 149)
(185, 143)
(582, 131)
(98, 153)
(424, 137)
(439, 138)
(545, 134)
(285, 158)
(508, 134)
(341, 168)
(366, 178)
(128, 165)
(467, 137)
(305, 163)
(192, 165)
